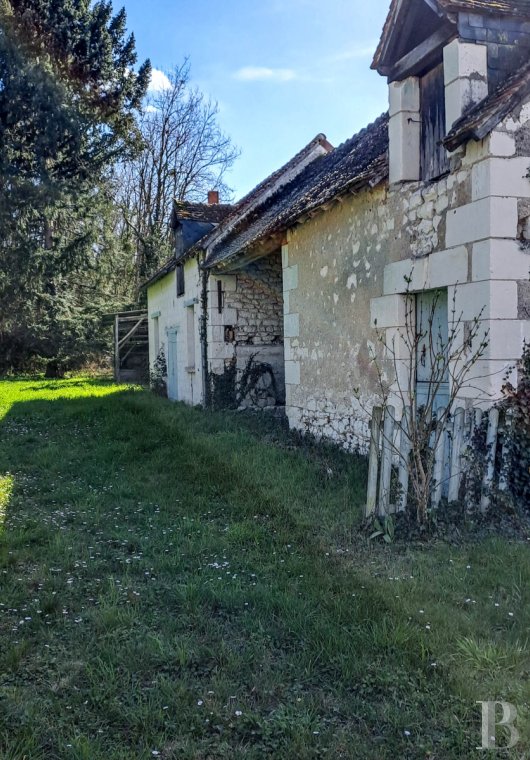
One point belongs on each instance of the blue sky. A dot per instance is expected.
(281, 70)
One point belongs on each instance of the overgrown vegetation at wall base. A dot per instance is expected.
(182, 585)
(518, 405)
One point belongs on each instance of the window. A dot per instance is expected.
(180, 280)
(432, 337)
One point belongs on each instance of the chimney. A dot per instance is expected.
(213, 197)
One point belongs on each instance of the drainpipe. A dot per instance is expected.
(206, 388)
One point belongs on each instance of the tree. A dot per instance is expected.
(68, 100)
(184, 155)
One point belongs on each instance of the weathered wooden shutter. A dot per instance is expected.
(180, 280)
(433, 156)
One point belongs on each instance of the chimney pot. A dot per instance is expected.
(213, 197)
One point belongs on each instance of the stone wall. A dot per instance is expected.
(333, 267)
(246, 339)
(258, 300)
(349, 269)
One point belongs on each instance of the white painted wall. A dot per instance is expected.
(183, 313)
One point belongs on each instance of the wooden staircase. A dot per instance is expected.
(131, 347)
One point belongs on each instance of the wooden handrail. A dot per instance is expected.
(131, 332)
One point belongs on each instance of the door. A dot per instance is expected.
(432, 331)
(172, 388)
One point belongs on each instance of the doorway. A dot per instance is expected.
(172, 384)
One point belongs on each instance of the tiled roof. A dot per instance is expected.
(225, 217)
(359, 162)
(197, 220)
(495, 7)
(482, 118)
(273, 182)
(201, 212)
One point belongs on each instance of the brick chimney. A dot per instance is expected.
(213, 197)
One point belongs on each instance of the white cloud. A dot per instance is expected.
(264, 74)
(363, 51)
(159, 81)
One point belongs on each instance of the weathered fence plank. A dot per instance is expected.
(438, 468)
(456, 454)
(117, 348)
(506, 452)
(491, 448)
(404, 456)
(373, 462)
(390, 442)
(386, 461)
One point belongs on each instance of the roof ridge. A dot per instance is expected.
(184, 202)
(361, 160)
(319, 139)
(244, 205)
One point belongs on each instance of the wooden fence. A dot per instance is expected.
(390, 448)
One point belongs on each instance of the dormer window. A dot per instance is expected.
(410, 55)
(437, 68)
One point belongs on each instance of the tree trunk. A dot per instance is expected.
(54, 370)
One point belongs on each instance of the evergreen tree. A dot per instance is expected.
(68, 100)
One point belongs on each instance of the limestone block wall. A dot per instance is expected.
(250, 328)
(333, 267)
(350, 268)
(258, 300)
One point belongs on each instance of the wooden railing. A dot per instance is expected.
(389, 458)
(131, 346)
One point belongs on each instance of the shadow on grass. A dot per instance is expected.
(172, 584)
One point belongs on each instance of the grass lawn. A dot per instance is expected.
(178, 584)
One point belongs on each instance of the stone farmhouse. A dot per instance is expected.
(209, 326)
(281, 303)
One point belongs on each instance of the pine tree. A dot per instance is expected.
(68, 100)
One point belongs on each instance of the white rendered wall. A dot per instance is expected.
(174, 312)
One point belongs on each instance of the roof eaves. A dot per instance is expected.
(171, 263)
(371, 177)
